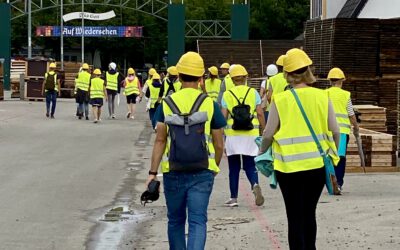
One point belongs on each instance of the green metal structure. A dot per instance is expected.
(5, 42)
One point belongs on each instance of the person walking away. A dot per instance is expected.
(82, 82)
(97, 94)
(113, 86)
(226, 83)
(50, 89)
(298, 164)
(189, 159)
(271, 71)
(241, 106)
(278, 82)
(213, 84)
(154, 93)
(341, 101)
(171, 82)
(132, 91)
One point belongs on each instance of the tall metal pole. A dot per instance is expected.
(62, 35)
(29, 29)
(83, 35)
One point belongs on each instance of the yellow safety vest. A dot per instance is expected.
(185, 99)
(97, 88)
(231, 102)
(112, 81)
(83, 81)
(340, 98)
(278, 83)
(228, 82)
(213, 87)
(293, 146)
(154, 93)
(177, 86)
(55, 80)
(131, 87)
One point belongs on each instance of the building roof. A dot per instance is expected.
(352, 8)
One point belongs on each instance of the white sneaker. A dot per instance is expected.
(113, 116)
(132, 117)
(95, 121)
(231, 203)
(259, 198)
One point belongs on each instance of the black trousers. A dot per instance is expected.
(301, 192)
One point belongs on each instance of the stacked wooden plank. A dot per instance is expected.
(390, 46)
(379, 149)
(17, 68)
(255, 55)
(71, 69)
(351, 44)
(372, 117)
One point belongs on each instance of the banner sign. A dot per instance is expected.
(91, 31)
(89, 16)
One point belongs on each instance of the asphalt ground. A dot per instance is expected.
(60, 178)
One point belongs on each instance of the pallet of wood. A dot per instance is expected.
(372, 117)
(379, 149)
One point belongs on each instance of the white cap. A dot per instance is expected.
(112, 65)
(272, 70)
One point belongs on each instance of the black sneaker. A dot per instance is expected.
(87, 118)
(52, 117)
(47, 114)
(79, 117)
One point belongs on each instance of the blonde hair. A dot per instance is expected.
(297, 78)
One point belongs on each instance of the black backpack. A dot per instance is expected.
(241, 114)
(50, 82)
(188, 146)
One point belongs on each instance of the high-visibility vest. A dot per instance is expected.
(83, 81)
(131, 87)
(340, 98)
(294, 148)
(97, 88)
(185, 99)
(278, 83)
(154, 94)
(55, 80)
(228, 82)
(240, 92)
(213, 87)
(112, 81)
(177, 85)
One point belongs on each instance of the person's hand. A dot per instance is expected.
(149, 179)
(356, 132)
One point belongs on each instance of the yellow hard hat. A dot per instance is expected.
(295, 59)
(238, 70)
(191, 63)
(213, 70)
(336, 73)
(131, 71)
(279, 62)
(152, 71)
(225, 66)
(172, 71)
(52, 66)
(85, 66)
(96, 71)
(156, 76)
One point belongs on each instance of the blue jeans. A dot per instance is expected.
(51, 97)
(152, 112)
(187, 193)
(340, 169)
(249, 167)
(83, 107)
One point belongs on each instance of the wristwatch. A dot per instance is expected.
(152, 173)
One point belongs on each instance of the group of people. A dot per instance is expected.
(196, 124)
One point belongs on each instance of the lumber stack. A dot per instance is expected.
(351, 44)
(372, 117)
(17, 68)
(379, 149)
(390, 46)
(255, 83)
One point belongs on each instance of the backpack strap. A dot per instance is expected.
(244, 99)
(234, 96)
(172, 105)
(196, 106)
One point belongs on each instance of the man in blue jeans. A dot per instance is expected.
(188, 182)
(51, 87)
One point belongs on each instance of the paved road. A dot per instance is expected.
(59, 177)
